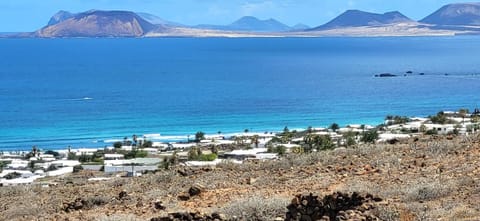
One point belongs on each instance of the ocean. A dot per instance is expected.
(90, 92)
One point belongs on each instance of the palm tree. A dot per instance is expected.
(255, 140)
(239, 140)
(134, 144)
(309, 129)
(463, 113)
(199, 136)
(309, 141)
(34, 150)
(334, 127)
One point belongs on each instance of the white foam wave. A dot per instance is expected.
(112, 140)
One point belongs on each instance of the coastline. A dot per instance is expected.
(159, 138)
(100, 143)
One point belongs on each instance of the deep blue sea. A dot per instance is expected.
(88, 92)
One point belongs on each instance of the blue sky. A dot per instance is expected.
(29, 15)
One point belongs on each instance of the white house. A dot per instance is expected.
(441, 128)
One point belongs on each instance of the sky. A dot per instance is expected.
(30, 15)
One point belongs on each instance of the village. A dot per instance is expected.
(137, 156)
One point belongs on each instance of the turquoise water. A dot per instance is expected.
(83, 92)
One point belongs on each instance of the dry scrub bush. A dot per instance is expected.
(94, 201)
(19, 212)
(387, 213)
(256, 208)
(118, 217)
(13, 191)
(429, 190)
(464, 212)
(442, 148)
(359, 187)
(14, 210)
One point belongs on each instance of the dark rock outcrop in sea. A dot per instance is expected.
(384, 75)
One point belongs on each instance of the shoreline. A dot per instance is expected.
(159, 138)
(100, 142)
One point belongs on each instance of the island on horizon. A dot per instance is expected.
(450, 20)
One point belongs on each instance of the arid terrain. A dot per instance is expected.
(429, 178)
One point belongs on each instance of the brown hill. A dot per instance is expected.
(100, 24)
(429, 178)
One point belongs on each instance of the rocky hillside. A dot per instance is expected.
(98, 24)
(455, 14)
(426, 178)
(60, 17)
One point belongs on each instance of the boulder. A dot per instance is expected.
(337, 206)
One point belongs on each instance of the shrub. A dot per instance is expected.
(12, 176)
(370, 136)
(117, 145)
(85, 158)
(319, 142)
(77, 168)
(431, 132)
(52, 168)
(141, 154)
(134, 154)
(118, 217)
(350, 139)
(397, 120)
(256, 208)
(199, 136)
(72, 156)
(298, 150)
(440, 118)
(208, 157)
(147, 144)
(279, 149)
(2, 165)
(423, 128)
(194, 153)
(334, 127)
(428, 191)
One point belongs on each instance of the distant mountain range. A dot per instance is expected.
(253, 24)
(451, 19)
(158, 21)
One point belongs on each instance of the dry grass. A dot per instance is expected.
(119, 217)
(256, 208)
(428, 190)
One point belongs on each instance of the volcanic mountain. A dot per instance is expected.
(357, 18)
(97, 23)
